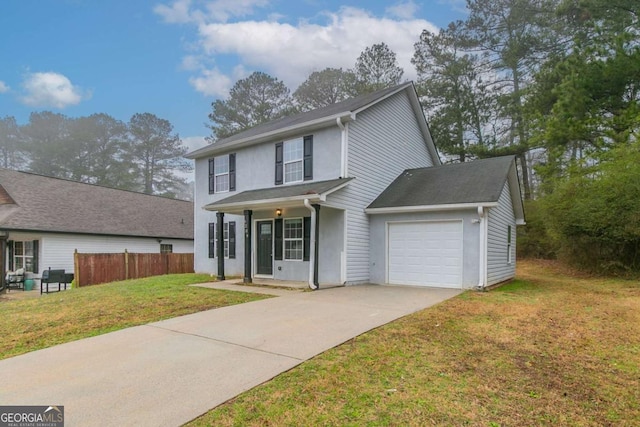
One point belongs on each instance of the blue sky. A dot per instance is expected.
(172, 58)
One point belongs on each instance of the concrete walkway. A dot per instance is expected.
(167, 373)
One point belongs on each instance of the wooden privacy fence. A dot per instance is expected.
(91, 269)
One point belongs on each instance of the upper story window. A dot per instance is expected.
(222, 174)
(294, 160)
(166, 248)
(293, 157)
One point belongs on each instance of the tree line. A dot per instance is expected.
(554, 82)
(260, 98)
(142, 154)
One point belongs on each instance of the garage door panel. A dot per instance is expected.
(425, 253)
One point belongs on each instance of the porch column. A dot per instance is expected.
(3, 261)
(220, 243)
(316, 247)
(247, 246)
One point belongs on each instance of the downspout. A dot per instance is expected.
(312, 244)
(343, 148)
(483, 251)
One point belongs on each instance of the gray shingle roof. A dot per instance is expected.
(344, 107)
(42, 203)
(280, 192)
(470, 182)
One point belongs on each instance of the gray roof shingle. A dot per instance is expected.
(43, 203)
(344, 107)
(280, 192)
(470, 182)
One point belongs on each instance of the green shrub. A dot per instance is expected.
(594, 215)
(533, 239)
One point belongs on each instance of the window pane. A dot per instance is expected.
(222, 183)
(221, 164)
(293, 150)
(293, 172)
(28, 248)
(293, 229)
(18, 248)
(293, 249)
(226, 249)
(18, 263)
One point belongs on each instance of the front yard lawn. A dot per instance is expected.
(35, 323)
(552, 348)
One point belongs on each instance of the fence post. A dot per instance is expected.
(126, 264)
(76, 268)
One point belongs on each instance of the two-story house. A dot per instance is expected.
(352, 193)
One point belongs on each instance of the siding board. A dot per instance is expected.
(383, 141)
(500, 217)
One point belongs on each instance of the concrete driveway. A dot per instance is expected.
(167, 373)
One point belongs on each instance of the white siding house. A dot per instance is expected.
(43, 220)
(383, 140)
(353, 193)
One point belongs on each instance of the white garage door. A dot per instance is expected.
(425, 253)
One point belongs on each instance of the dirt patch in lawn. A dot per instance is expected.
(555, 347)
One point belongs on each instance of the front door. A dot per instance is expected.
(265, 247)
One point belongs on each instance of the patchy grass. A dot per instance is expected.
(35, 323)
(554, 347)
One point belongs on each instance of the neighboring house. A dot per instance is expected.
(43, 220)
(352, 193)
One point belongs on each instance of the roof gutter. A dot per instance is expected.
(261, 137)
(428, 208)
(256, 204)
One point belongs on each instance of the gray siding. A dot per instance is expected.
(255, 168)
(383, 141)
(500, 218)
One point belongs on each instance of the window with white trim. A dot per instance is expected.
(166, 248)
(225, 238)
(221, 167)
(293, 160)
(293, 239)
(23, 255)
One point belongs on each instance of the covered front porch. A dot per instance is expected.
(288, 234)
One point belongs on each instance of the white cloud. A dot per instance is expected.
(212, 82)
(3, 87)
(288, 51)
(405, 10)
(191, 63)
(194, 142)
(222, 10)
(291, 52)
(177, 13)
(51, 90)
(180, 11)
